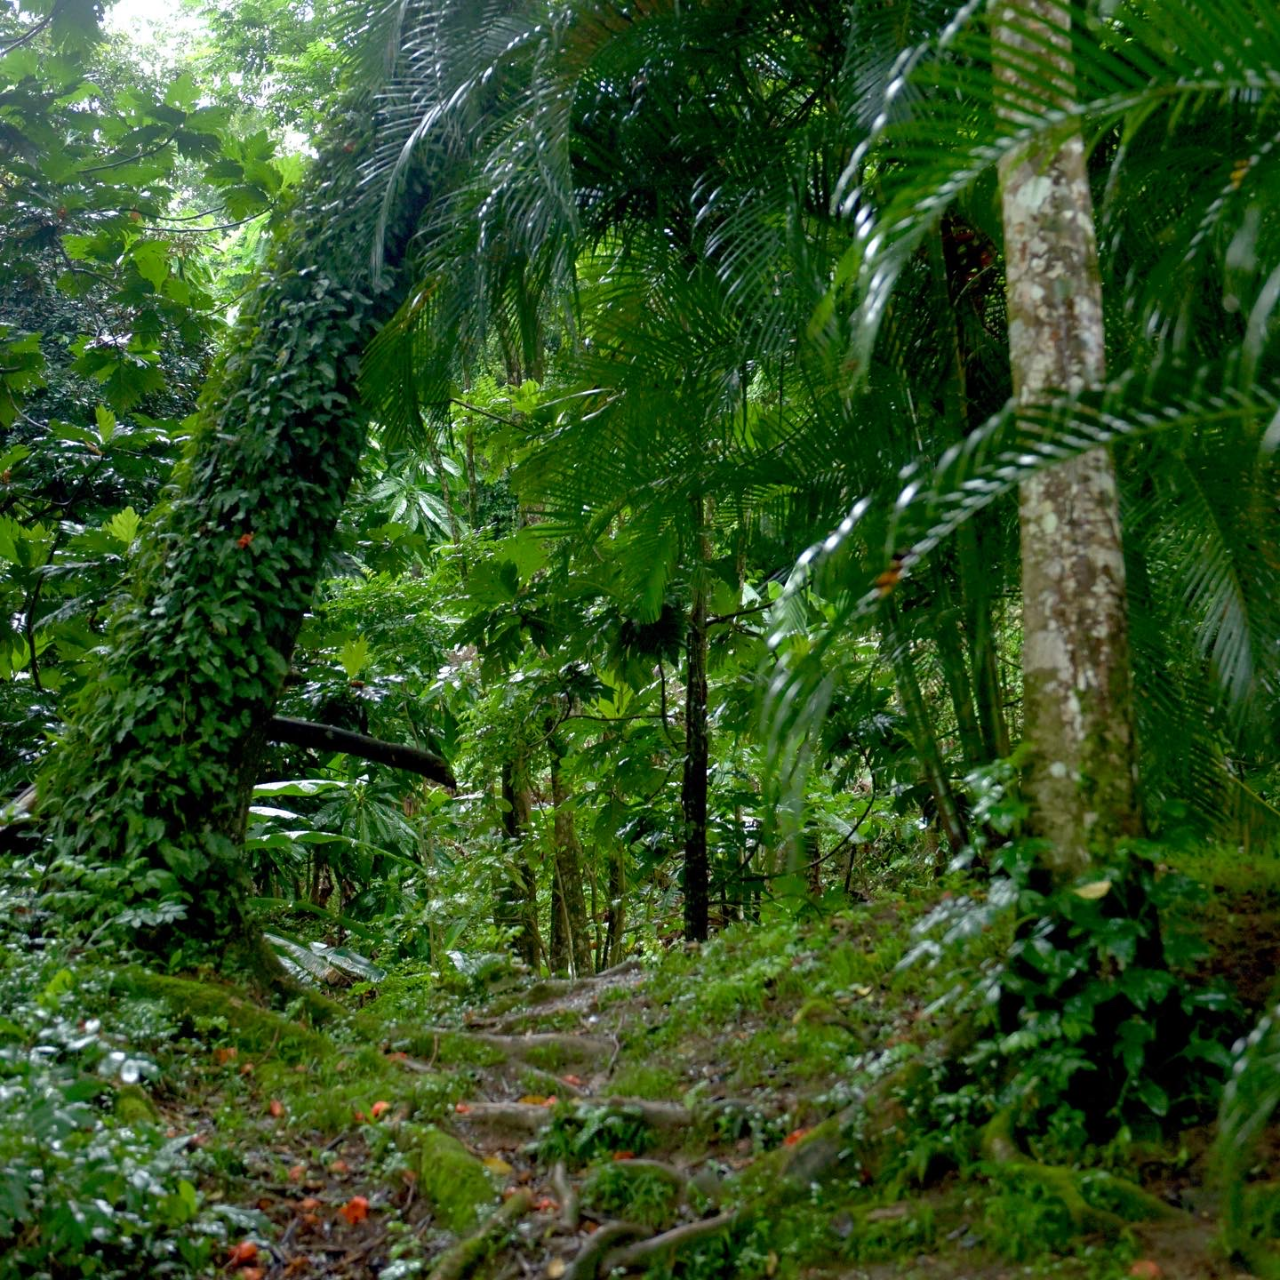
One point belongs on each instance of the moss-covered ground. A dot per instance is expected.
(783, 1101)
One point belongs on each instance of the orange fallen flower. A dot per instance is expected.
(461, 1108)
(360, 1117)
(355, 1210)
(253, 1273)
(624, 1155)
(339, 1166)
(573, 1080)
(546, 1205)
(223, 1056)
(309, 1203)
(297, 1172)
(242, 1254)
(379, 1109)
(247, 1069)
(796, 1136)
(276, 1107)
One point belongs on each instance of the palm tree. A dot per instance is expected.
(1190, 395)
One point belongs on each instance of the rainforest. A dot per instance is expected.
(639, 638)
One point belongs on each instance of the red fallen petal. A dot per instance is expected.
(624, 1155)
(276, 1107)
(223, 1056)
(546, 1205)
(247, 1069)
(462, 1109)
(244, 1252)
(379, 1108)
(308, 1204)
(360, 1117)
(573, 1080)
(252, 1273)
(297, 1172)
(795, 1136)
(355, 1210)
(339, 1166)
(551, 1101)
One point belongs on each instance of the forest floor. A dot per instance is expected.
(732, 1110)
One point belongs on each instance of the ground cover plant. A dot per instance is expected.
(639, 640)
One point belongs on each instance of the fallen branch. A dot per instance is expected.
(645, 1251)
(327, 737)
(463, 1258)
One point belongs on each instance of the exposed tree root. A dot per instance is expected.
(999, 1147)
(464, 1257)
(569, 1049)
(567, 1193)
(643, 1252)
(586, 1266)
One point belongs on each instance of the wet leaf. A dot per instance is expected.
(355, 1210)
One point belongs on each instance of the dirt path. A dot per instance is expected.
(542, 1168)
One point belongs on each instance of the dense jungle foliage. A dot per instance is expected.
(639, 638)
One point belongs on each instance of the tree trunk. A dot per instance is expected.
(152, 780)
(516, 900)
(693, 790)
(569, 922)
(1077, 698)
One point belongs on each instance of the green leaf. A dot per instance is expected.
(123, 526)
(1093, 891)
(354, 656)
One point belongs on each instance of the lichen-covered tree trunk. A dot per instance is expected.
(1077, 698)
(147, 792)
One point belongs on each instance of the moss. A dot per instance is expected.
(247, 1024)
(133, 1106)
(450, 1178)
(640, 1080)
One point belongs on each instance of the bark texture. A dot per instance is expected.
(693, 790)
(1077, 697)
(570, 940)
(516, 899)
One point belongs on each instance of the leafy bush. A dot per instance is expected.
(93, 1185)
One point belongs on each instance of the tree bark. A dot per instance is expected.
(516, 900)
(327, 737)
(570, 941)
(1077, 698)
(693, 789)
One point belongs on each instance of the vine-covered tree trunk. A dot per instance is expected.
(1077, 698)
(693, 789)
(570, 941)
(148, 790)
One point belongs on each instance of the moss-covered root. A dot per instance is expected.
(464, 1257)
(1132, 1203)
(450, 1179)
(248, 1024)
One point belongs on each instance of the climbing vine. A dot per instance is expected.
(147, 794)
